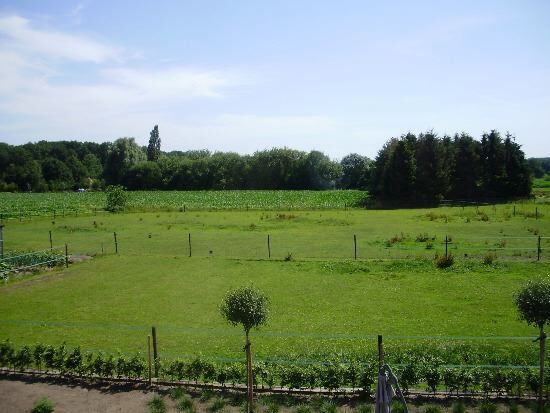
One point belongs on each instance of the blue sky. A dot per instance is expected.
(338, 76)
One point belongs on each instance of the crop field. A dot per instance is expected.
(13, 205)
(323, 300)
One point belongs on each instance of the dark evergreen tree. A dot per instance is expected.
(465, 174)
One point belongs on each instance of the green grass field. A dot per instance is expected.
(322, 300)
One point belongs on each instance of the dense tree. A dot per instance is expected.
(465, 174)
(355, 171)
(122, 154)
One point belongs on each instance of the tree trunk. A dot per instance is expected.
(542, 339)
(249, 379)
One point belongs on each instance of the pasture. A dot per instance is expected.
(323, 300)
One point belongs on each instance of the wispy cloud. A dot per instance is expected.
(49, 43)
(76, 13)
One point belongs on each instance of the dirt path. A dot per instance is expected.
(19, 396)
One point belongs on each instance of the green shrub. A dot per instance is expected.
(44, 405)
(176, 393)
(432, 409)
(363, 408)
(116, 198)
(157, 404)
(513, 408)
(397, 407)
(186, 404)
(218, 404)
(303, 408)
(458, 407)
(328, 406)
(489, 258)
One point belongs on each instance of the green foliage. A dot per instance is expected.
(186, 404)
(44, 405)
(458, 407)
(533, 302)
(303, 408)
(397, 406)
(157, 404)
(363, 408)
(246, 306)
(432, 409)
(153, 149)
(218, 403)
(116, 198)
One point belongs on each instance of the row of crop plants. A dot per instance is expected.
(355, 374)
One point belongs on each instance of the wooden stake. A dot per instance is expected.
(66, 256)
(542, 339)
(155, 354)
(149, 357)
(190, 244)
(268, 246)
(538, 249)
(446, 245)
(116, 243)
(355, 246)
(51, 242)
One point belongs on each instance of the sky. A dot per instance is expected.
(241, 76)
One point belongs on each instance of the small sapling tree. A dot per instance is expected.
(533, 303)
(249, 307)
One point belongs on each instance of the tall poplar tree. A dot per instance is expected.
(153, 149)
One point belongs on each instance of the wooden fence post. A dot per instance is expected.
(446, 245)
(1, 241)
(66, 256)
(189, 244)
(538, 249)
(116, 243)
(380, 352)
(355, 246)
(149, 357)
(155, 354)
(51, 242)
(268, 246)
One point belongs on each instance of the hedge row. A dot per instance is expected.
(332, 375)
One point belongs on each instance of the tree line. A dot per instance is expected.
(416, 169)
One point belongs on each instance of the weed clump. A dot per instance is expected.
(157, 404)
(44, 405)
(445, 261)
(489, 259)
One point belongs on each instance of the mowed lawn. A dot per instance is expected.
(330, 302)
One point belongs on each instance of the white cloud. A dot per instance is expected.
(55, 44)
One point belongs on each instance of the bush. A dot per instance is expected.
(218, 404)
(458, 407)
(432, 409)
(116, 198)
(445, 261)
(328, 406)
(303, 408)
(44, 405)
(487, 407)
(488, 259)
(157, 404)
(363, 408)
(186, 404)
